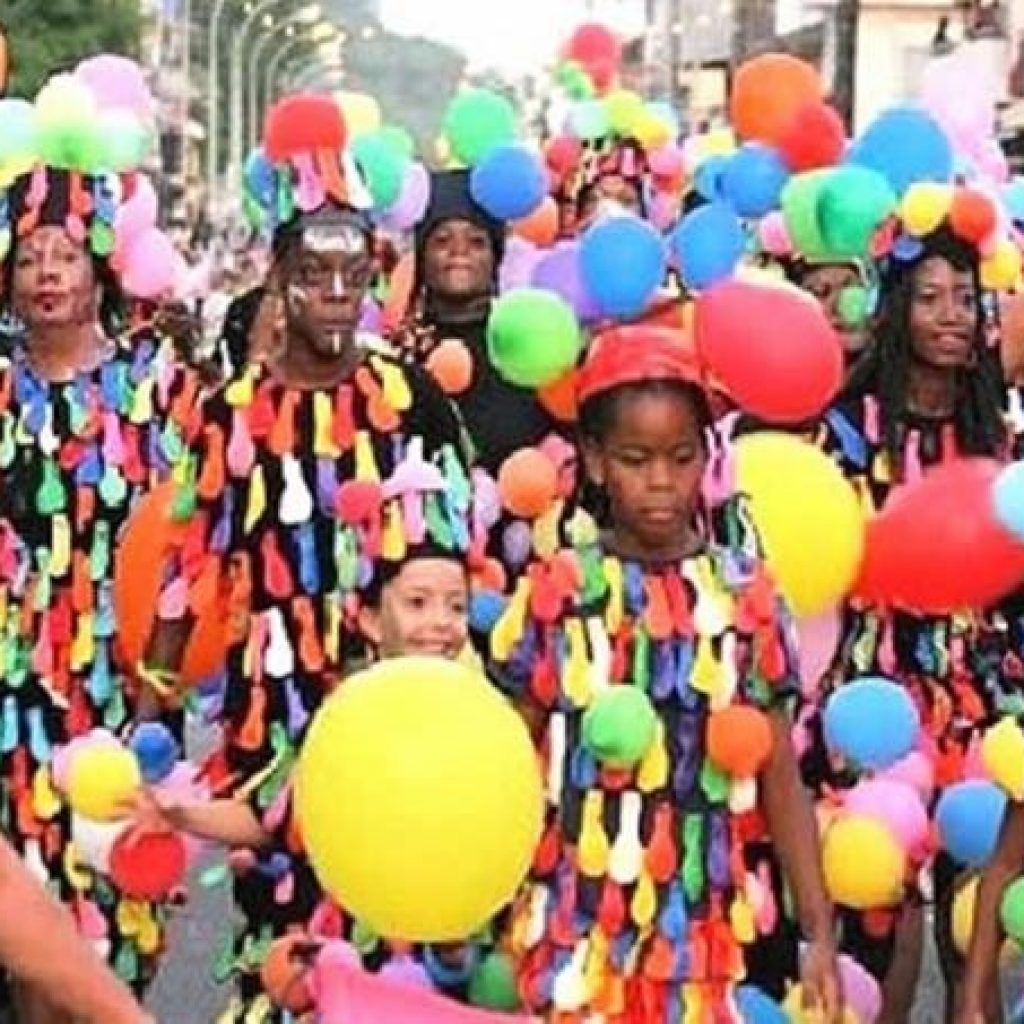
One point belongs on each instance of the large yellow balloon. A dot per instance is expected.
(100, 779)
(362, 113)
(808, 517)
(419, 799)
(863, 863)
(1001, 270)
(1002, 753)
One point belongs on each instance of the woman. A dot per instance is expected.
(318, 464)
(930, 388)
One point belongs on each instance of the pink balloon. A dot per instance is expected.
(895, 804)
(412, 201)
(117, 84)
(521, 257)
(666, 160)
(817, 640)
(959, 92)
(861, 992)
(774, 234)
(149, 265)
(138, 214)
(664, 211)
(914, 770)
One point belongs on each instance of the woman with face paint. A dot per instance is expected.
(930, 388)
(322, 460)
(92, 413)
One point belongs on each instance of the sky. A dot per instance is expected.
(514, 36)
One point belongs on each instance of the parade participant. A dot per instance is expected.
(93, 410)
(657, 667)
(929, 389)
(319, 464)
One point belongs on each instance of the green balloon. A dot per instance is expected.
(382, 167)
(533, 338)
(399, 139)
(1011, 911)
(493, 984)
(476, 121)
(619, 726)
(853, 204)
(799, 203)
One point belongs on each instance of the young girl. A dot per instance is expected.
(657, 668)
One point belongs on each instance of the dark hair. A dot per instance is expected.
(385, 571)
(288, 235)
(884, 370)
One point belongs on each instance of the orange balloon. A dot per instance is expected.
(3, 62)
(739, 740)
(285, 977)
(541, 226)
(403, 280)
(490, 575)
(559, 399)
(451, 365)
(528, 483)
(767, 94)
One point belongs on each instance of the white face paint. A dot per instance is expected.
(341, 238)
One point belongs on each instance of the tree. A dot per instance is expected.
(45, 38)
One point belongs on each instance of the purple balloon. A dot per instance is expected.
(559, 272)
(517, 267)
(412, 201)
(370, 317)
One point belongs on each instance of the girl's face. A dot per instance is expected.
(943, 314)
(458, 261)
(827, 284)
(423, 610)
(650, 465)
(53, 283)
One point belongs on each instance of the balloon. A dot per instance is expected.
(412, 201)
(768, 93)
(871, 722)
(757, 1008)
(156, 749)
(863, 864)
(1001, 271)
(588, 120)
(492, 985)
(861, 992)
(100, 779)
(916, 771)
(509, 182)
(959, 91)
(807, 516)
(528, 483)
(3, 62)
(283, 976)
(1008, 499)
(905, 145)
(799, 1012)
(383, 169)
(559, 271)
(451, 365)
(149, 262)
(625, 110)
(532, 337)
(476, 121)
(67, 125)
(148, 866)
(793, 368)
(817, 640)
(619, 726)
(127, 140)
(400, 289)
(815, 138)
(94, 841)
(399, 140)
(707, 178)
(1002, 752)
(932, 527)
(137, 215)
(739, 740)
(972, 215)
(422, 792)
(897, 806)
(969, 816)
(559, 398)
(708, 244)
(361, 113)
(17, 129)
(592, 44)
(774, 235)
(924, 207)
(964, 901)
(541, 226)
(117, 83)
(518, 264)
(562, 155)
(753, 179)
(853, 204)
(623, 263)
(1011, 911)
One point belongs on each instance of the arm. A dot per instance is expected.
(39, 944)
(228, 822)
(985, 935)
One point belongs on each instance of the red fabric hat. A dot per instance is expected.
(635, 353)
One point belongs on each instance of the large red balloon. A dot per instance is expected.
(148, 866)
(770, 349)
(815, 138)
(936, 547)
(594, 45)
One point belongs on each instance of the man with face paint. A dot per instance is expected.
(322, 459)
(459, 248)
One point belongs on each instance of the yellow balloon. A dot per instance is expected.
(651, 131)
(1002, 753)
(798, 1014)
(808, 517)
(419, 799)
(625, 110)
(100, 779)
(1001, 271)
(863, 863)
(924, 206)
(362, 113)
(964, 901)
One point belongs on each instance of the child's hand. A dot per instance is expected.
(822, 987)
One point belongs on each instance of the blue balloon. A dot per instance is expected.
(707, 179)
(157, 750)
(260, 179)
(969, 816)
(1013, 199)
(708, 244)
(485, 609)
(753, 179)
(623, 263)
(509, 183)
(871, 722)
(757, 1008)
(905, 145)
(1008, 499)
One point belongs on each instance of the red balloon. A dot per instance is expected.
(972, 215)
(562, 155)
(594, 45)
(767, 94)
(770, 349)
(148, 866)
(919, 547)
(816, 137)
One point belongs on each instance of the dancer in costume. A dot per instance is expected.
(318, 465)
(657, 667)
(92, 411)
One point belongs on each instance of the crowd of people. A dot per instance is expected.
(650, 431)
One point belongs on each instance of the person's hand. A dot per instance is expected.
(822, 987)
(153, 812)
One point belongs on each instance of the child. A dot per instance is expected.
(659, 665)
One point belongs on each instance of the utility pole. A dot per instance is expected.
(847, 25)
